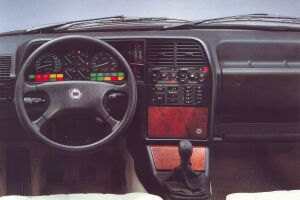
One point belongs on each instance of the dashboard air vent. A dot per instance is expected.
(5, 80)
(175, 53)
(161, 53)
(189, 54)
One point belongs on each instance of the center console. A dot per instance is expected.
(179, 89)
(179, 81)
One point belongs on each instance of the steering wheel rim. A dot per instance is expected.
(21, 88)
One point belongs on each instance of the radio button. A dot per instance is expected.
(173, 75)
(199, 98)
(173, 88)
(202, 75)
(188, 98)
(181, 75)
(202, 80)
(163, 75)
(154, 75)
(172, 100)
(199, 95)
(182, 80)
(159, 89)
(158, 98)
(192, 75)
(172, 94)
(199, 87)
(198, 102)
(188, 87)
(188, 94)
(187, 102)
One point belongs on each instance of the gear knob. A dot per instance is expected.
(185, 148)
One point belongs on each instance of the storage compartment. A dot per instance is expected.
(260, 92)
(260, 79)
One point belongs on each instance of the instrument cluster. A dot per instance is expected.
(75, 64)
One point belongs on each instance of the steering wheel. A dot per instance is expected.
(70, 95)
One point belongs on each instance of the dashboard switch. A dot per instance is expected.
(159, 88)
(172, 100)
(163, 75)
(158, 98)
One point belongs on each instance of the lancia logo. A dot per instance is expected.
(75, 94)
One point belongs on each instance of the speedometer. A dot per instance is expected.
(48, 63)
(104, 62)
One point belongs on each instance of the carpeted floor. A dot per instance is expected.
(50, 172)
(235, 167)
(256, 167)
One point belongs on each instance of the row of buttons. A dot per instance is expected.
(180, 77)
(172, 94)
(188, 95)
(200, 95)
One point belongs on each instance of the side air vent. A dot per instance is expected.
(175, 53)
(5, 80)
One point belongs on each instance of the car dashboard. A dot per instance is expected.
(227, 79)
(208, 86)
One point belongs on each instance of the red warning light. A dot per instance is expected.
(205, 69)
(46, 77)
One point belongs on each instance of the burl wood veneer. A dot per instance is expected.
(177, 122)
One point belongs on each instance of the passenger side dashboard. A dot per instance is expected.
(260, 84)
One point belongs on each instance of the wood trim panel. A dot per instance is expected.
(177, 122)
(167, 157)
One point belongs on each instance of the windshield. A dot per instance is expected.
(23, 14)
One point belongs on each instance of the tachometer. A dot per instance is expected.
(104, 62)
(48, 63)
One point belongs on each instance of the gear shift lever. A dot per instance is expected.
(183, 183)
(185, 148)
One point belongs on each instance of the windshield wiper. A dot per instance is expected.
(48, 27)
(109, 23)
(265, 18)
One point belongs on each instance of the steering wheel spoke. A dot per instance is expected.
(50, 112)
(112, 122)
(29, 88)
(38, 123)
(124, 88)
(105, 116)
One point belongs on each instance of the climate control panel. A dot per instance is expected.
(179, 86)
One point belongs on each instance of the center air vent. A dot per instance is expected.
(5, 80)
(175, 53)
